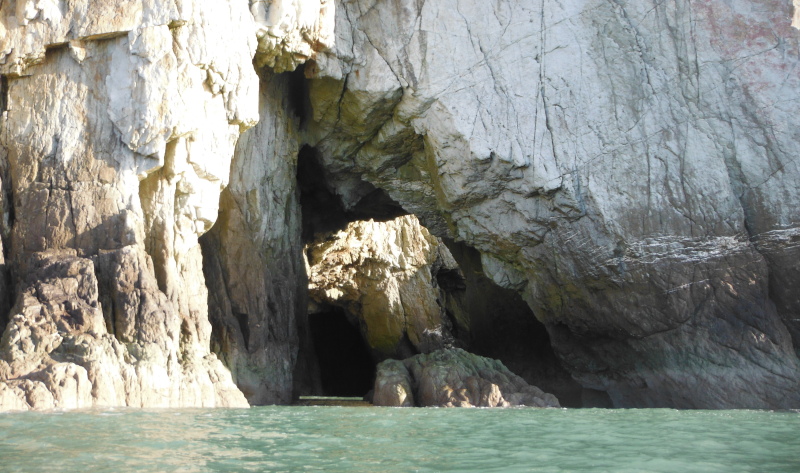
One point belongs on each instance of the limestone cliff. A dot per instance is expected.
(629, 168)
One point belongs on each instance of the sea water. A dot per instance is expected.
(400, 440)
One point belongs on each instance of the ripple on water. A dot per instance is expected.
(389, 440)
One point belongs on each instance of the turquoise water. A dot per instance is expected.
(401, 440)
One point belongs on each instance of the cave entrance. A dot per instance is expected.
(451, 303)
(345, 363)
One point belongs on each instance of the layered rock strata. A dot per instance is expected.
(454, 378)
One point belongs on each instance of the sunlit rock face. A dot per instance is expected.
(119, 124)
(292, 31)
(630, 167)
(384, 274)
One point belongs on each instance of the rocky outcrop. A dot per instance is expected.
(629, 167)
(384, 274)
(119, 122)
(63, 348)
(454, 378)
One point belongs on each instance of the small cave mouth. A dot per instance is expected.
(323, 210)
(345, 364)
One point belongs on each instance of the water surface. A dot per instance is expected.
(401, 440)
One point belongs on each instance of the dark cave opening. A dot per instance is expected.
(483, 317)
(345, 364)
(503, 326)
(323, 210)
(299, 100)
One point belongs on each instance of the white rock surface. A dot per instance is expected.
(629, 166)
(119, 124)
(292, 31)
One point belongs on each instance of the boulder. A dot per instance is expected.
(385, 275)
(454, 378)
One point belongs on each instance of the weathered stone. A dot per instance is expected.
(454, 378)
(384, 274)
(594, 159)
(628, 167)
(125, 152)
(393, 385)
(254, 263)
(59, 342)
(291, 32)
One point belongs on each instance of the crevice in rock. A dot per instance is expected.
(3, 93)
(157, 195)
(244, 326)
(346, 366)
(298, 96)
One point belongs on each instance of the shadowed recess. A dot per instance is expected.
(345, 364)
(323, 210)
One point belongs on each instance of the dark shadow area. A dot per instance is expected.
(502, 326)
(3, 93)
(297, 93)
(323, 211)
(345, 363)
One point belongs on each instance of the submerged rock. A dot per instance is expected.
(454, 378)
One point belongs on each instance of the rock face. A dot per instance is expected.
(64, 348)
(454, 378)
(119, 122)
(254, 264)
(384, 274)
(629, 168)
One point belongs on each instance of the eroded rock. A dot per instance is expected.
(454, 378)
(290, 32)
(64, 349)
(119, 123)
(628, 167)
(594, 160)
(384, 274)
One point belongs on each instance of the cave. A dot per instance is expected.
(323, 210)
(345, 364)
(481, 316)
(503, 326)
